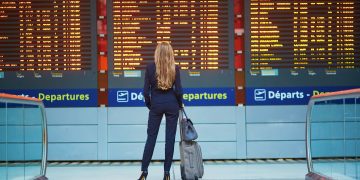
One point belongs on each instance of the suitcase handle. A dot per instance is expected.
(190, 159)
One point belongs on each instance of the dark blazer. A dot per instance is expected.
(154, 95)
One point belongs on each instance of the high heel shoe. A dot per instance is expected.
(143, 175)
(166, 175)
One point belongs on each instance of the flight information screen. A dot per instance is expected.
(304, 34)
(197, 30)
(45, 35)
(48, 46)
(303, 44)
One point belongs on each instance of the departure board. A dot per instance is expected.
(48, 45)
(297, 49)
(304, 35)
(197, 30)
(48, 35)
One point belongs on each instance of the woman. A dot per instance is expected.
(163, 95)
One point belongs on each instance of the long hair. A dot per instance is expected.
(165, 65)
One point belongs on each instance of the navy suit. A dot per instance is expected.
(161, 102)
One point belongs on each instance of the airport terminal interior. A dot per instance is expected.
(272, 88)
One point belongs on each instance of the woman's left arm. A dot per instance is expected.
(146, 90)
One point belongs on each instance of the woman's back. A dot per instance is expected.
(159, 96)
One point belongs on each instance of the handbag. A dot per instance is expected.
(187, 130)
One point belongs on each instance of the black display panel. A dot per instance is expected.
(201, 33)
(302, 43)
(196, 29)
(48, 44)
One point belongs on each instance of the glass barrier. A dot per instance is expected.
(3, 159)
(333, 136)
(23, 138)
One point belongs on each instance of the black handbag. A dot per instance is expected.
(187, 130)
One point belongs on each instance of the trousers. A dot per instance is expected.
(171, 112)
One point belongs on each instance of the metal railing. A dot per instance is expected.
(333, 135)
(23, 138)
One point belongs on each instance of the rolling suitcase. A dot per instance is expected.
(191, 165)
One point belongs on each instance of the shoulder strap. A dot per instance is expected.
(183, 112)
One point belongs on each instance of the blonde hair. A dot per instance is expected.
(165, 65)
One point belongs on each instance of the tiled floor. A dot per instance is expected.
(221, 170)
(214, 170)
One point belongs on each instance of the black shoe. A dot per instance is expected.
(166, 175)
(143, 175)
